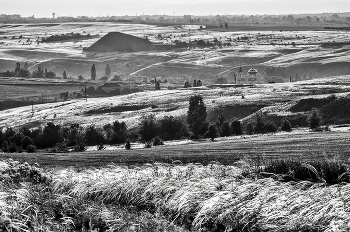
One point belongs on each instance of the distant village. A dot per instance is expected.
(295, 19)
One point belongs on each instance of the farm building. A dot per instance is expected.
(251, 77)
(110, 87)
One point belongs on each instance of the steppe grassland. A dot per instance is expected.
(278, 98)
(192, 196)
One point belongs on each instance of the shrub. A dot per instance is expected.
(170, 126)
(50, 135)
(271, 127)
(148, 128)
(26, 141)
(236, 127)
(211, 133)
(31, 148)
(259, 123)
(196, 114)
(203, 129)
(249, 128)
(286, 126)
(127, 145)
(100, 147)
(314, 119)
(148, 145)
(225, 129)
(220, 120)
(93, 136)
(119, 131)
(157, 141)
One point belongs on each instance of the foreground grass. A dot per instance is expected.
(163, 197)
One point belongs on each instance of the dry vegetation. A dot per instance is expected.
(166, 197)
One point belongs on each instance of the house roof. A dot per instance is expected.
(252, 71)
(111, 85)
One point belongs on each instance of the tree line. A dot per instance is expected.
(150, 131)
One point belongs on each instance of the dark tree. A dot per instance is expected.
(170, 127)
(93, 136)
(148, 128)
(236, 127)
(108, 130)
(225, 129)
(226, 25)
(286, 126)
(314, 119)
(119, 131)
(196, 114)
(50, 135)
(220, 120)
(93, 72)
(212, 132)
(249, 129)
(259, 122)
(64, 75)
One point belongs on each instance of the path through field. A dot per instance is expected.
(306, 146)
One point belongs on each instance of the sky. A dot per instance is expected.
(45, 8)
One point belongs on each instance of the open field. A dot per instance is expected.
(262, 46)
(305, 146)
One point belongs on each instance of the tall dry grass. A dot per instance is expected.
(213, 197)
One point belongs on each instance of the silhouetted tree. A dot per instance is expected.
(286, 126)
(236, 127)
(314, 119)
(93, 72)
(196, 114)
(148, 128)
(212, 132)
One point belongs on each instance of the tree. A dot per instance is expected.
(119, 131)
(286, 126)
(93, 72)
(314, 119)
(259, 122)
(50, 135)
(249, 129)
(221, 119)
(225, 129)
(148, 127)
(64, 75)
(212, 132)
(108, 129)
(236, 127)
(196, 114)
(170, 127)
(93, 136)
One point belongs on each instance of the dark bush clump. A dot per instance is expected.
(211, 133)
(127, 145)
(157, 141)
(236, 127)
(118, 132)
(286, 126)
(225, 129)
(31, 148)
(148, 128)
(26, 141)
(314, 119)
(271, 127)
(93, 136)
